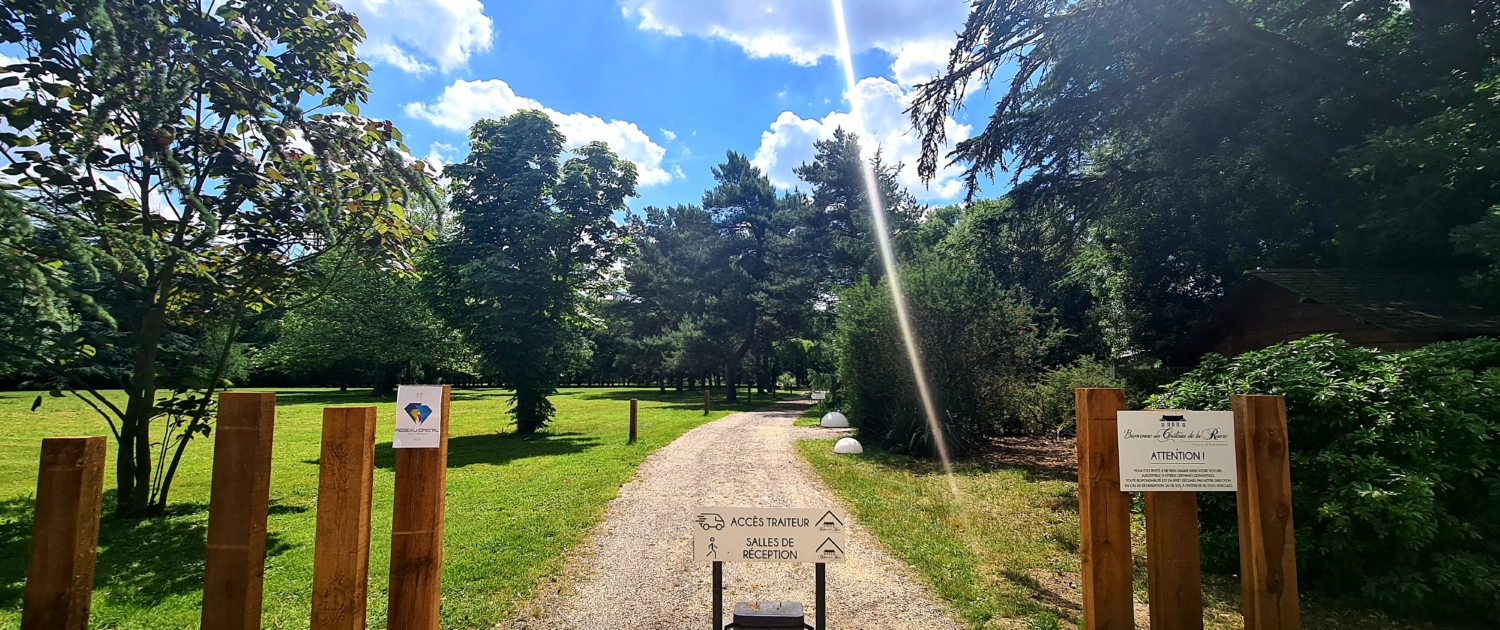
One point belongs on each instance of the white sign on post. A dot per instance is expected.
(419, 416)
(1177, 451)
(801, 535)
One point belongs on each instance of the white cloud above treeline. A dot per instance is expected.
(464, 102)
(917, 33)
(789, 141)
(419, 36)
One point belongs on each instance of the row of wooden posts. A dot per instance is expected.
(65, 530)
(1268, 559)
(70, 487)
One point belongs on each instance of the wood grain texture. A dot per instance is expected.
(1268, 557)
(64, 534)
(417, 533)
(235, 565)
(1174, 573)
(1103, 514)
(346, 482)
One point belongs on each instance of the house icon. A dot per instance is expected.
(830, 550)
(830, 523)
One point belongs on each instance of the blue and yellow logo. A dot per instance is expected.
(418, 412)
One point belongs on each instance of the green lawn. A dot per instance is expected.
(514, 505)
(1005, 553)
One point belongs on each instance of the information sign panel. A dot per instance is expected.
(419, 416)
(733, 534)
(1177, 451)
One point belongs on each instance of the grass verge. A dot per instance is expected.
(515, 505)
(1005, 553)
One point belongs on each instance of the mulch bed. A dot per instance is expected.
(1052, 457)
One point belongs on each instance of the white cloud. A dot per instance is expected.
(464, 102)
(415, 35)
(789, 141)
(803, 30)
(920, 61)
(669, 135)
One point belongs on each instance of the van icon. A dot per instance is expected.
(709, 520)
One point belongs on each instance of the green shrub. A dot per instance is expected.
(979, 342)
(1396, 493)
(1048, 407)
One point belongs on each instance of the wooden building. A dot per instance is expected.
(1390, 311)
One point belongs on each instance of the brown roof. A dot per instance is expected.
(1405, 302)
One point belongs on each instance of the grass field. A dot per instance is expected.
(1005, 553)
(514, 506)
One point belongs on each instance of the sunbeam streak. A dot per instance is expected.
(888, 257)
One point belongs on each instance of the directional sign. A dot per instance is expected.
(1177, 451)
(769, 534)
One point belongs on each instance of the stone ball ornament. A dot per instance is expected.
(848, 446)
(834, 420)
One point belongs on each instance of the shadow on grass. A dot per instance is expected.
(497, 448)
(141, 561)
(356, 397)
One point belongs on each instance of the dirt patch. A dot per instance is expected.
(1048, 458)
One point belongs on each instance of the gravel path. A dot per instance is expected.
(636, 570)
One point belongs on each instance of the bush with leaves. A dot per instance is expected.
(1048, 407)
(1395, 467)
(980, 344)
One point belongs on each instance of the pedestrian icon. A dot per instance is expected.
(713, 550)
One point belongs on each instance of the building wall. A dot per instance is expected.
(1273, 315)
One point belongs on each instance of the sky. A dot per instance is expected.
(670, 85)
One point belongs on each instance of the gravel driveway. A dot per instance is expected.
(636, 570)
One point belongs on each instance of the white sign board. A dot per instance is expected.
(768, 535)
(419, 416)
(820, 395)
(1177, 451)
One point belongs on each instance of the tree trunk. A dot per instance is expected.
(133, 470)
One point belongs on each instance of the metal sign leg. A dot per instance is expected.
(820, 596)
(718, 595)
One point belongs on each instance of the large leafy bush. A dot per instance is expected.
(980, 344)
(1396, 492)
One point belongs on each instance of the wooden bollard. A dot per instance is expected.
(633, 410)
(1268, 556)
(235, 566)
(417, 533)
(1173, 572)
(1103, 514)
(705, 401)
(64, 534)
(346, 482)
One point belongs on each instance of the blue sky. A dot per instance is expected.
(670, 84)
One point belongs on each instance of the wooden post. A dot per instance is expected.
(705, 400)
(346, 483)
(633, 411)
(1173, 571)
(64, 534)
(239, 498)
(1103, 514)
(1268, 556)
(417, 533)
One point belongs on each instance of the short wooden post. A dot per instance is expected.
(1173, 571)
(417, 533)
(346, 482)
(633, 411)
(1268, 556)
(1103, 514)
(705, 400)
(239, 498)
(64, 534)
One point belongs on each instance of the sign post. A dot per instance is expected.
(1268, 554)
(633, 410)
(346, 482)
(799, 535)
(239, 501)
(64, 534)
(421, 444)
(1103, 514)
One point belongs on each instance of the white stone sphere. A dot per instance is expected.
(848, 446)
(834, 420)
